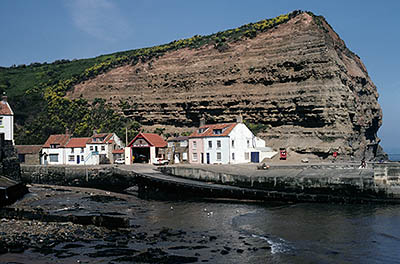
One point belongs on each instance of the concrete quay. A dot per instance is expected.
(330, 182)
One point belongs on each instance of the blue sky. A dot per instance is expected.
(47, 30)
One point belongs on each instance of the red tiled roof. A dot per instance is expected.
(28, 149)
(226, 129)
(5, 108)
(106, 137)
(77, 142)
(118, 151)
(61, 140)
(153, 139)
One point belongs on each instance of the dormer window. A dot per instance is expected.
(217, 131)
(53, 146)
(202, 130)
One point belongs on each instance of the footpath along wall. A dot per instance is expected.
(381, 181)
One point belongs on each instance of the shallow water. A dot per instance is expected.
(246, 232)
(300, 233)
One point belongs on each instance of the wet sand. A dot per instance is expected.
(155, 233)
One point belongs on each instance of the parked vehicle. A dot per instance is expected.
(160, 161)
(119, 161)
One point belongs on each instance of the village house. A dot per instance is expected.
(101, 147)
(53, 150)
(145, 148)
(63, 149)
(29, 154)
(6, 120)
(76, 151)
(229, 143)
(178, 150)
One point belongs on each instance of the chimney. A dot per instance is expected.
(202, 121)
(66, 131)
(94, 132)
(4, 97)
(239, 118)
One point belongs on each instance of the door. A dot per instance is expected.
(176, 159)
(202, 158)
(255, 157)
(208, 158)
(78, 159)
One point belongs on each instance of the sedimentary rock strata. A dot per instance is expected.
(299, 79)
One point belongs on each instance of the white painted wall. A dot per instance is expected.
(224, 149)
(7, 127)
(59, 151)
(76, 152)
(243, 142)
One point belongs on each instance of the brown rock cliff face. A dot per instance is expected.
(299, 79)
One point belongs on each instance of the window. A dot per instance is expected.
(194, 145)
(219, 144)
(91, 148)
(82, 158)
(202, 130)
(53, 157)
(96, 149)
(210, 144)
(183, 143)
(184, 156)
(248, 143)
(103, 148)
(82, 150)
(72, 150)
(170, 144)
(219, 155)
(1, 120)
(233, 143)
(233, 156)
(71, 158)
(53, 146)
(21, 158)
(217, 131)
(246, 155)
(194, 157)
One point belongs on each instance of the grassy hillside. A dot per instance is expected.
(37, 91)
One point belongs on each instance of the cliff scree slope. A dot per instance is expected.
(299, 79)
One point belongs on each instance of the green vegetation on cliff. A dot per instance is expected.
(37, 91)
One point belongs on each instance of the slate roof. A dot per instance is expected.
(208, 130)
(61, 140)
(77, 142)
(28, 149)
(153, 139)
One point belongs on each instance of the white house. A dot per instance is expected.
(64, 150)
(6, 120)
(229, 143)
(101, 147)
(53, 150)
(76, 151)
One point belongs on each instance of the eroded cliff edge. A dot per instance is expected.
(299, 79)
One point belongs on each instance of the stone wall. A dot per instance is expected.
(104, 177)
(346, 181)
(9, 165)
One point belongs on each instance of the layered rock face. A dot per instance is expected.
(299, 79)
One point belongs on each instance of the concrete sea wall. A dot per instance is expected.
(380, 182)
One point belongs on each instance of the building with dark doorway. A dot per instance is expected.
(145, 148)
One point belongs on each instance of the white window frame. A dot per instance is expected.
(194, 156)
(71, 158)
(194, 145)
(210, 144)
(233, 143)
(220, 156)
(184, 156)
(219, 144)
(247, 155)
(233, 155)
